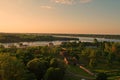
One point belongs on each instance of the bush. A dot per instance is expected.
(101, 76)
(11, 68)
(54, 62)
(54, 74)
(38, 67)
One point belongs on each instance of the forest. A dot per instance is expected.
(93, 35)
(69, 61)
(17, 37)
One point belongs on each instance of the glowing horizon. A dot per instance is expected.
(60, 16)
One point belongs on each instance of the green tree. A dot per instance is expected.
(95, 40)
(24, 55)
(110, 58)
(101, 76)
(93, 58)
(11, 68)
(54, 62)
(38, 67)
(2, 46)
(54, 74)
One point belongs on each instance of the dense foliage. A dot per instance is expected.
(93, 35)
(32, 63)
(8, 38)
(101, 76)
(47, 62)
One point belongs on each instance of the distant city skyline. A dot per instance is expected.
(60, 16)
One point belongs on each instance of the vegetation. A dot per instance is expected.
(61, 62)
(8, 38)
(93, 35)
(101, 76)
(30, 63)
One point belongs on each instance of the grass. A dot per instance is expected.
(113, 73)
(114, 78)
(75, 73)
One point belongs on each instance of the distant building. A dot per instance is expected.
(11, 46)
(21, 45)
(64, 53)
(66, 61)
(50, 44)
(24, 46)
(67, 58)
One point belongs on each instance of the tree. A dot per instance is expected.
(11, 68)
(54, 74)
(24, 55)
(114, 48)
(110, 57)
(96, 42)
(93, 57)
(92, 62)
(2, 46)
(107, 47)
(54, 62)
(38, 67)
(101, 76)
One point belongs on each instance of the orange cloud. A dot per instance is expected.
(46, 7)
(64, 1)
(71, 1)
(85, 1)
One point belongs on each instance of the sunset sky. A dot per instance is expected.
(60, 16)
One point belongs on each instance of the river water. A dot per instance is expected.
(44, 43)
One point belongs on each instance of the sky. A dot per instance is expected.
(60, 16)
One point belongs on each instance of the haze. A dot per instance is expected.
(60, 16)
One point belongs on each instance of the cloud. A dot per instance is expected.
(46, 7)
(85, 1)
(63, 1)
(71, 1)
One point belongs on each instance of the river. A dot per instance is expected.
(44, 43)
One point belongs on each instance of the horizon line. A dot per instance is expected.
(58, 33)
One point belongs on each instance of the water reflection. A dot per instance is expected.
(45, 43)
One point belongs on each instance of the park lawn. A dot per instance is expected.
(75, 73)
